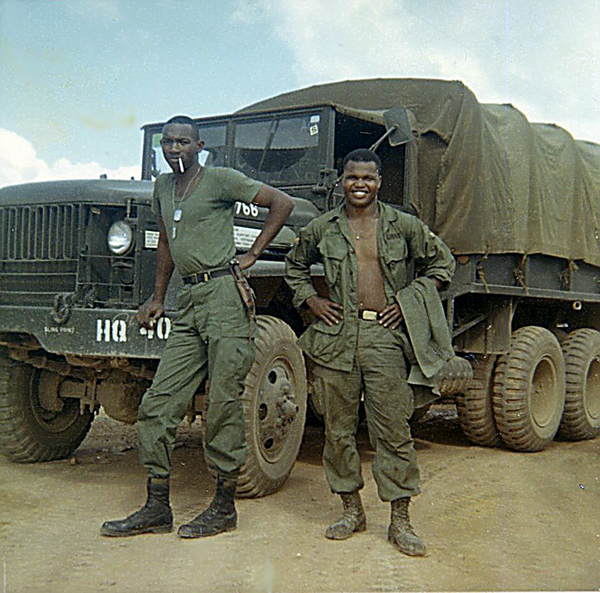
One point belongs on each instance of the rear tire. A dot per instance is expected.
(475, 408)
(529, 389)
(29, 432)
(581, 417)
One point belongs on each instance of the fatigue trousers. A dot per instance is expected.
(379, 370)
(210, 336)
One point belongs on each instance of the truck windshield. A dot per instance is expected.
(214, 148)
(279, 150)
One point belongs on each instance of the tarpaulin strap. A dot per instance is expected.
(481, 273)
(519, 274)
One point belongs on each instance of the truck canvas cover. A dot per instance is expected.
(489, 181)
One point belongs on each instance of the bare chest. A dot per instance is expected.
(370, 282)
(364, 236)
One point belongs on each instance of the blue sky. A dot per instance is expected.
(79, 77)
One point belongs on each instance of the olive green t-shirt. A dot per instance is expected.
(203, 236)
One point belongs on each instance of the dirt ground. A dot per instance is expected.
(492, 520)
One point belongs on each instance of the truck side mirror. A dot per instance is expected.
(397, 118)
(398, 130)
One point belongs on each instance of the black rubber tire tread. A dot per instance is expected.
(258, 476)
(580, 348)
(512, 389)
(475, 407)
(22, 438)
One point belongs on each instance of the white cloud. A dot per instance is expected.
(543, 56)
(20, 164)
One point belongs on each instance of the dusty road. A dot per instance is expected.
(492, 520)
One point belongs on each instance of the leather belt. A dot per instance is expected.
(368, 315)
(201, 277)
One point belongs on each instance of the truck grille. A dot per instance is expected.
(38, 251)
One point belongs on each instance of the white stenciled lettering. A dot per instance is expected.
(119, 330)
(163, 328)
(246, 209)
(103, 330)
(111, 330)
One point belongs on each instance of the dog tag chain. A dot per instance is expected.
(177, 212)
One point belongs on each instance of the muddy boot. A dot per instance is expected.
(401, 533)
(353, 518)
(220, 516)
(154, 517)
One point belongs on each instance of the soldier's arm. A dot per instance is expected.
(298, 261)
(297, 275)
(280, 205)
(154, 307)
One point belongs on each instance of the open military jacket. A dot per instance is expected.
(402, 240)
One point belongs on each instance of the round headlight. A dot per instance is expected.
(120, 237)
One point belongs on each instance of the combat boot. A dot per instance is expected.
(353, 518)
(220, 516)
(401, 533)
(154, 517)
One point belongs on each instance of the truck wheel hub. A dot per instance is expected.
(277, 409)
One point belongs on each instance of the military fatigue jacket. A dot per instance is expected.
(402, 239)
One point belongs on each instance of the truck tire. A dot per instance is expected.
(275, 401)
(29, 432)
(581, 417)
(475, 408)
(529, 389)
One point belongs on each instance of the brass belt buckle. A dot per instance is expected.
(369, 315)
(205, 276)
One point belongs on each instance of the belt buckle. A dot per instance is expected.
(369, 315)
(205, 276)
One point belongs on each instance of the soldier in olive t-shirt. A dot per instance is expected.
(202, 238)
(212, 334)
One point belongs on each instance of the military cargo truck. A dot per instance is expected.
(518, 203)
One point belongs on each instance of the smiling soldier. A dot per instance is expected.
(211, 335)
(358, 340)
